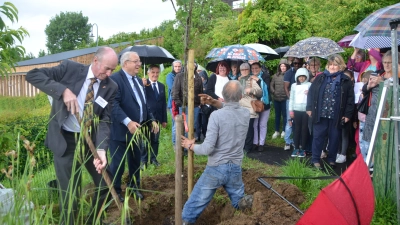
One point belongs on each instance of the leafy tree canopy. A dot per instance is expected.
(67, 31)
(10, 51)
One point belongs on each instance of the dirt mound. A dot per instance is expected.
(158, 205)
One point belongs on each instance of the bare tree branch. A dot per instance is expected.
(173, 5)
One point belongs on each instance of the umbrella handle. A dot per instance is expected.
(268, 186)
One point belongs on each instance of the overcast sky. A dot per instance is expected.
(111, 17)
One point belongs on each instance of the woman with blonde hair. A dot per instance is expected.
(251, 91)
(330, 104)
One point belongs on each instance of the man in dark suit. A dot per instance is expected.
(156, 100)
(68, 85)
(129, 113)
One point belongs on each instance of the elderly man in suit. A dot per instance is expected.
(156, 100)
(69, 84)
(129, 113)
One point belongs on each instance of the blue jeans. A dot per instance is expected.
(288, 128)
(364, 145)
(227, 175)
(280, 109)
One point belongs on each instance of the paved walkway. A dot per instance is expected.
(276, 156)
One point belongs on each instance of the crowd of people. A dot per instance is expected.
(321, 112)
(317, 107)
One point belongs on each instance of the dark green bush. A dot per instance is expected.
(27, 117)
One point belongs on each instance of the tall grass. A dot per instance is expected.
(311, 188)
(385, 212)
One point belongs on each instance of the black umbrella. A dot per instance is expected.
(281, 52)
(212, 65)
(150, 54)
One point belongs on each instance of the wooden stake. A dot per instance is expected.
(190, 117)
(178, 170)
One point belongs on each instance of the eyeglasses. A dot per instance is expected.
(387, 62)
(296, 63)
(255, 68)
(243, 69)
(135, 61)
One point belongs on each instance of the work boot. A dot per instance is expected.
(246, 202)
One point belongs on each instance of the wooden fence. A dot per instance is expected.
(15, 85)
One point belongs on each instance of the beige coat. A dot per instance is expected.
(255, 93)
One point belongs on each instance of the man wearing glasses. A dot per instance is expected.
(129, 113)
(288, 80)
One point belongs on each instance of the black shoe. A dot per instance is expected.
(260, 148)
(121, 199)
(155, 163)
(136, 194)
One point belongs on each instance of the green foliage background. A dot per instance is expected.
(27, 117)
(66, 31)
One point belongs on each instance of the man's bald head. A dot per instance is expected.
(232, 91)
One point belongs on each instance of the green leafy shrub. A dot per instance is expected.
(310, 188)
(27, 117)
(385, 211)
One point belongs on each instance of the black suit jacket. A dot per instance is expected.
(53, 81)
(158, 107)
(126, 105)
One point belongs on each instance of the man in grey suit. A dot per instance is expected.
(68, 85)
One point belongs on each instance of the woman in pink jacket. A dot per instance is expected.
(374, 63)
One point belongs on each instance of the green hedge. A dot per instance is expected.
(28, 117)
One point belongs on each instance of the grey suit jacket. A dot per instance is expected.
(53, 81)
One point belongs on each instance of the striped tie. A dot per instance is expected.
(88, 111)
(90, 92)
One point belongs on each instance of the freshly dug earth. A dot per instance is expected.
(158, 207)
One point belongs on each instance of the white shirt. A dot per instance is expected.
(219, 85)
(71, 123)
(152, 83)
(127, 120)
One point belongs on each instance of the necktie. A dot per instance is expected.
(88, 111)
(155, 90)
(90, 92)
(139, 91)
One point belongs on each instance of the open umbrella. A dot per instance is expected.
(237, 52)
(344, 42)
(281, 52)
(372, 42)
(347, 200)
(314, 46)
(262, 49)
(211, 52)
(377, 23)
(150, 54)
